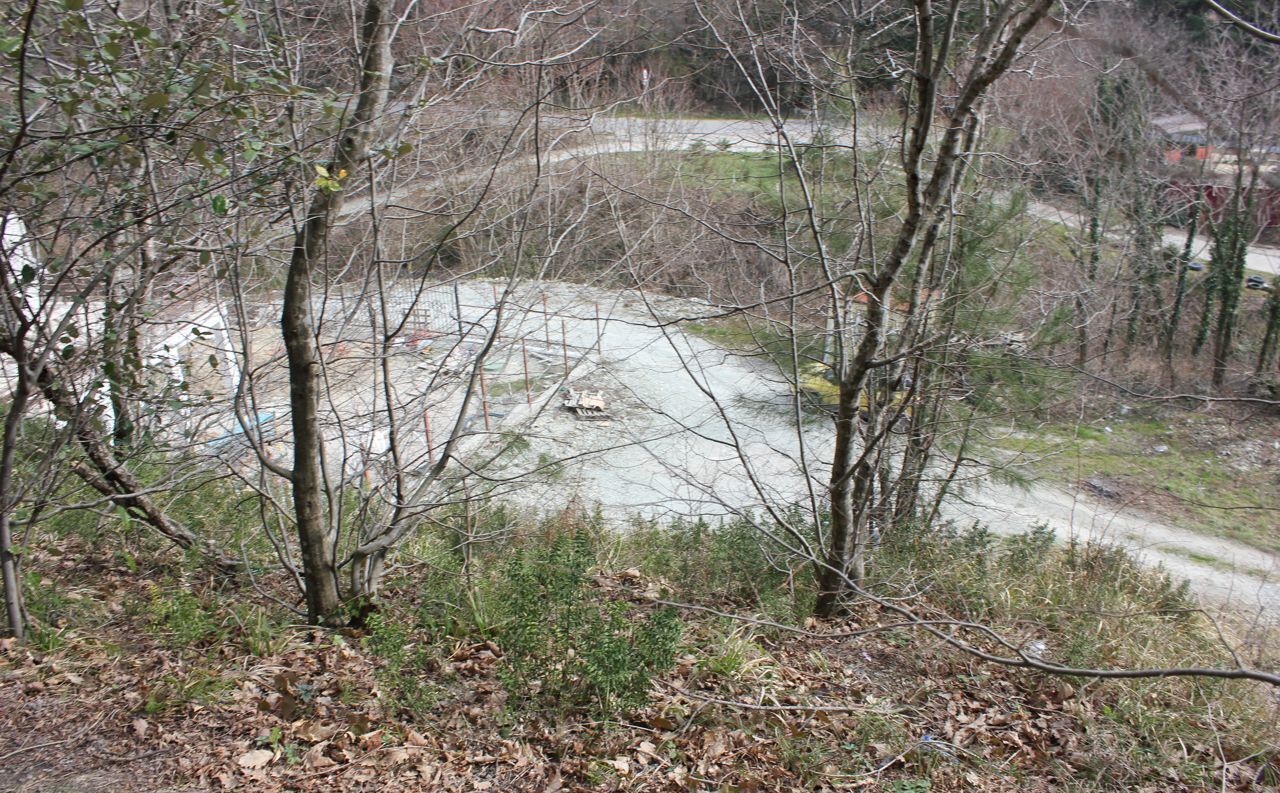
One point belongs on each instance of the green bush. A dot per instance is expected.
(406, 677)
(564, 645)
(185, 620)
(731, 561)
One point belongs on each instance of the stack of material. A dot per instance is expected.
(587, 405)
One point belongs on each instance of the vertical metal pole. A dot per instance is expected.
(598, 331)
(524, 353)
(426, 425)
(457, 308)
(564, 346)
(497, 326)
(546, 321)
(484, 399)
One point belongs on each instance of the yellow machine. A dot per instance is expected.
(816, 383)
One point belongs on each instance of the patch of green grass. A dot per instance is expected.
(509, 387)
(1214, 562)
(1090, 434)
(1189, 486)
(182, 618)
(753, 338)
(195, 685)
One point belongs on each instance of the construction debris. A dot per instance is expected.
(587, 405)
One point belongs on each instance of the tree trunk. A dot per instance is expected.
(1180, 290)
(1091, 271)
(1272, 333)
(1230, 278)
(316, 526)
(8, 500)
(1142, 267)
(851, 486)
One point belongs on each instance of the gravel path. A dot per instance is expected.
(1221, 570)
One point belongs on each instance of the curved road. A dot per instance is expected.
(1220, 570)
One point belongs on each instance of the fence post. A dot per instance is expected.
(524, 353)
(564, 346)
(598, 330)
(546, 321)
(457, 308)
(426, 425)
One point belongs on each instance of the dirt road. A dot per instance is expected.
(650, 463)
(1220, 570)
(699, 431)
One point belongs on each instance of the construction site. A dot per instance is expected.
(539, 393)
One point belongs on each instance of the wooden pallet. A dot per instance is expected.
(587, 405)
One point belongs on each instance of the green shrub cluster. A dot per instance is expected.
(182, 617)
(730, 561)
(407, 676)
(1030, 577)
(567, 645)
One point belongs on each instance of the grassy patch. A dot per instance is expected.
(544, 641)
(1161, 466)
(770, 342)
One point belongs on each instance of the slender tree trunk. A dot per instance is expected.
(851, 485)
(316, 526)
(1143, 268)
(1206, 309)
(1272, 333)
(1235, 248)
(118, 366)
(1180, 290)
(1091, 271)
(8, 500)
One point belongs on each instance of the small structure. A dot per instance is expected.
(587, 405)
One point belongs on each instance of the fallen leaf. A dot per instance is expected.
(256, 759)
(645, 752)
(715, 746)
(415, 738)
(312, 731)
(661, 722)
(555, 783)
(398, 755)
(139, 727)
(315, 758)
